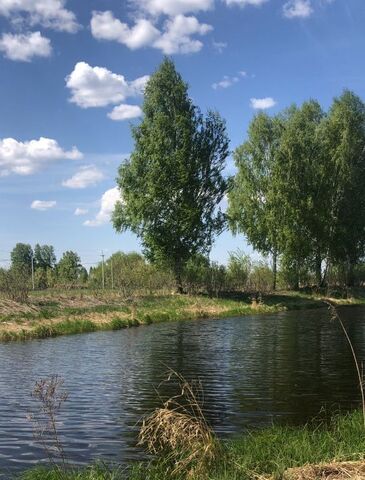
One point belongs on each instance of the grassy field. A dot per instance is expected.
(53, 313)
(260, 455)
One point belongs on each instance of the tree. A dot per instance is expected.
(253, 207)
(69, 267)
(173, 182)
(44, 256)
(238, 270)
(21, 258)
(301, 177)
(344, 144)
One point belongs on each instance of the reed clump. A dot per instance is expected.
(179, 434)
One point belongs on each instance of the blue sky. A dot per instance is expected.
(71, 77)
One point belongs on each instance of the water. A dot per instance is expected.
(255, 370)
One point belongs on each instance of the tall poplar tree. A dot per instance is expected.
(173, 182)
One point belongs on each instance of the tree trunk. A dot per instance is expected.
(274, 268)
(178, 277)
(318, 270)
(350, 274)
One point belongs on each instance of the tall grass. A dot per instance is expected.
(255, 455)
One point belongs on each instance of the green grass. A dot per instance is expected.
(52, 318)
(267, 452)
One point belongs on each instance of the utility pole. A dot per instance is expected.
(112, 273)
(33, 286)
(102, 269)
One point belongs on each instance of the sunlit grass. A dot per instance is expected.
(268, 453)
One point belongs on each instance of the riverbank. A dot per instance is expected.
(51, 314)
(276, 453)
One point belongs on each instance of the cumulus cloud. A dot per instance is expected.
(26, 158)
(262, 103)
(173, 7)
(297, 9)
(125, 112)
(48, 13)
(99, 87)
(23, 47)
(81, 211)
(87, 176)
(175, 36)
(43, 205)
(104, 26)
(228, 81)
(244, 3)
(107, 204)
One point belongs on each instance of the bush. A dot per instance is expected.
(14, 284)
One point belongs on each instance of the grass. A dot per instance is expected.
(63, 313)
(263, 454)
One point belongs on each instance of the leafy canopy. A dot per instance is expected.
(173, 182)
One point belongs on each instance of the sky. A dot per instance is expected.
(72, 74)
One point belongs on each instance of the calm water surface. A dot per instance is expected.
(254, 370)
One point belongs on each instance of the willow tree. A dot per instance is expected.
(173, 182)
(253, 207)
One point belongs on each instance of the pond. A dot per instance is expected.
(255, 370)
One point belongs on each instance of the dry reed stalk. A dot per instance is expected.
(179, 432)
(335, 316)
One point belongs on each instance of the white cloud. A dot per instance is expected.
(262, 103)
(220, 46)
(87, 176)
(244, 3)
(175, 36)
(25, 158)
(99, 87)
(23, 47)
(107, 204)
(43, 205)
(297, 9)
(48, 13)
(173, 7)
(104, 26)
(228, 81)
(81, 211)
(125, 112)
(225, 82)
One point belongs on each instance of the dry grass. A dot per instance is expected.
(328, 471)
(179, 433)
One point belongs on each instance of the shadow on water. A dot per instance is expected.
(254, 370)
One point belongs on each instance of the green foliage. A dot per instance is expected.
(239, 270)
(261, 277)
(69, 267)
(173, 182)
(131, 274)
(21, 258)
(196, 274)
(44, 257)
(253, 207)
(299, 189)
(256, 454)
(14, 283)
